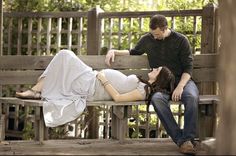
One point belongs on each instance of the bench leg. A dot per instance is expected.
(206, 121)
(2, 127)
(41, 131)
(119, 122)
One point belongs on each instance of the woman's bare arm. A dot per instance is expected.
(134, 95)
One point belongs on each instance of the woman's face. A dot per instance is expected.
(153, 74)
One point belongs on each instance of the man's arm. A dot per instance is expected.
(134, 95)
(177, 93)
(186, 59)
(110, 57)
(139, 49)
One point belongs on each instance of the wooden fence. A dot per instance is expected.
(94, 32)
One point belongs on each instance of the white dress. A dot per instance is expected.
(69, 83)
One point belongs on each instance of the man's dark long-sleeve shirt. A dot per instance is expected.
(174, 52)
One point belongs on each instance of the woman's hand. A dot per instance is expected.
(177, 93)
(101, 76)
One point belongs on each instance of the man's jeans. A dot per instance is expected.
(190, 96)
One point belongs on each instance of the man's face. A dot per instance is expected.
(158, 33)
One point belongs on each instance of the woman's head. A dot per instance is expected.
(162, 79)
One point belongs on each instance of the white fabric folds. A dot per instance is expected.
(68, 82)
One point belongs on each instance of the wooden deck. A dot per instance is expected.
(94, 147)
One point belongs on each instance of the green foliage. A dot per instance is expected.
(28, 131)
(184, 4)
(58, 132)
(106, 5)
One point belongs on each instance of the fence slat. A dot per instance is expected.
(59, 24)
(130, 32)
(49, 23)
(194, 34)
(80, 30)
(120, 31)
(173, 22)
(69, 36)
(39, 29)
(29, 36)
(19, 36)
(110, 32)
(9, 40)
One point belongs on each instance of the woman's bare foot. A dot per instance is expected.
(29, 94)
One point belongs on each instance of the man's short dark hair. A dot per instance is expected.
(158, 21)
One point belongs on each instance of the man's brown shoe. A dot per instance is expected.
(187, 148)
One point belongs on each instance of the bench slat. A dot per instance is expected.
(203, 99)
(30, 77)
(96, 62)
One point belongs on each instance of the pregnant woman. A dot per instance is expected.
(67, 83)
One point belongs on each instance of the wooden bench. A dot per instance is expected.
(17, 70)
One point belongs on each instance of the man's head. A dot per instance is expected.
(158, 26)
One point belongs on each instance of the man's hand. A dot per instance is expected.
(110, 57)
(176, 95)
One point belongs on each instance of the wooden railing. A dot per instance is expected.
(95, 31)
(117, 28)
(44, 32)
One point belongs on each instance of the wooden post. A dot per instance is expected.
(207, 46)
(2, 116)
(94, 31)
(1, 28)
(208, 28)
(226, 133)
(93, 37)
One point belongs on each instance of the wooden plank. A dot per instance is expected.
(96, 62)
(64, 14)
(19, 77)
(19, 36)
(173, 22)
(208, 28)
(203, 100)
(2, 127)
(197, 12)
(49, 27)
(29, 51)
(59, 25)
(36, 123)
(130, 33)
(155, 146)
(1, 28)
(69, 35)
(93, 27)
(9, 37)
(110, 33)
(137, 121)
(39, 29)
(16, 117)
(30, 77)
(107, 121)
(120, 29)
(80, 29)
(101, 43)
(225, 139)
(194, 34)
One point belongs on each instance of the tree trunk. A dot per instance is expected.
(226, 133)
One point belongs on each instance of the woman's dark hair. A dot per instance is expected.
(158, 21)
(164, 83)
